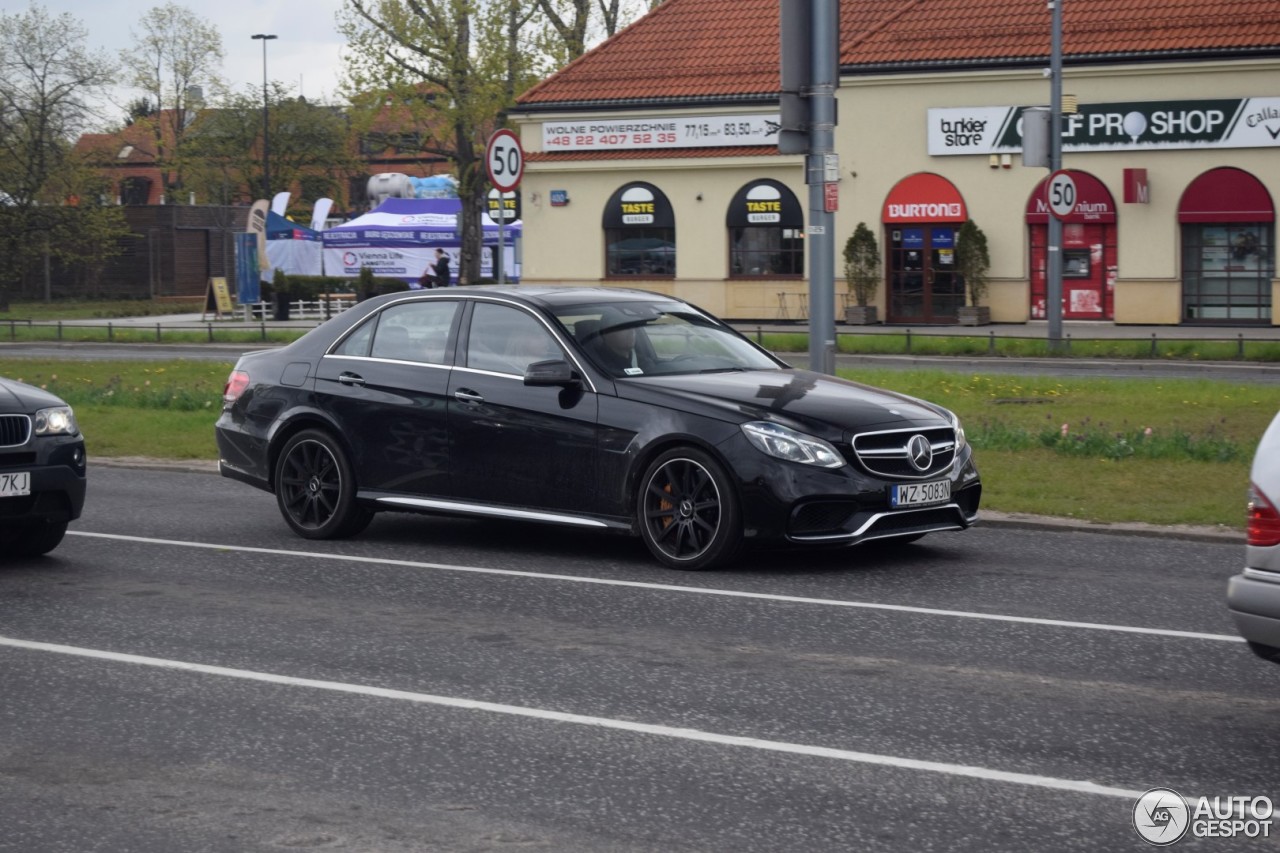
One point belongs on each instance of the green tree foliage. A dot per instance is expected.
(174, 51)
(308, 148)
(447, 70)
(49, 200)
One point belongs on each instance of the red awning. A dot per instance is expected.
(1226, 195)
(1094, 203)
(924, 197)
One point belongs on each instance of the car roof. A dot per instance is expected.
(552, 296)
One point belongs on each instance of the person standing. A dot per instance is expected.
(442, 269)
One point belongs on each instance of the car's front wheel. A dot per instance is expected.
(316, 488)
(688, 511)
(33, 539)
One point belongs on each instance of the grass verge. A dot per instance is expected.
(1096, 449)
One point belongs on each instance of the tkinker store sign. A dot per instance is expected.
(1132, 126)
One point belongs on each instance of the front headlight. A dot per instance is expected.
(783, 443)
(56, 421)
(961, 441)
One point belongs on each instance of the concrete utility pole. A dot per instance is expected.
(1053, 281)
(810, 48)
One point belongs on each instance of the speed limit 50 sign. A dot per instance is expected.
(504, 160)
(1061, 189)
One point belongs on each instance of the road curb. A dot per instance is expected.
(1189, 532)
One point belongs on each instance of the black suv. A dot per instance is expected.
(42, 469)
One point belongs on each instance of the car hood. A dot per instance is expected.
(822, 404)
(19, 397)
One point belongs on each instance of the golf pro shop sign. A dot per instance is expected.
(1124, 126)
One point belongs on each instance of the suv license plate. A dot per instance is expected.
(920, 494)
(15, 484)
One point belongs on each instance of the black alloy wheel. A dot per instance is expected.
(316, 488)
(34, 538)
(688, 511)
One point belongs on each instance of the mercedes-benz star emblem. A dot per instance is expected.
(920, 452)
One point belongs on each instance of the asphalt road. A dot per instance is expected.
(183, 674)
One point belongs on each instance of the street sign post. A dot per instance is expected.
(1062, 194)
(504, 161)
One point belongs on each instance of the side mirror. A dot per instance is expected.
(554, 373)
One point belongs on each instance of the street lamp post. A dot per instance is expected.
(266, 138)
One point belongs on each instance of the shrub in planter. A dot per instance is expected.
(862, 272)
(972, 261)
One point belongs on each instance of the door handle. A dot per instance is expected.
(351, 379)
(464, 395)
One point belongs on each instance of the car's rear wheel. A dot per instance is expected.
(688, 511)
(34, 539)
(316, 488)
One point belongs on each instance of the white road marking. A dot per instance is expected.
(662, 587)
(1079, 786)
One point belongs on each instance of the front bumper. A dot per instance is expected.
(804, 505)
(58, 484)
(1253, 599)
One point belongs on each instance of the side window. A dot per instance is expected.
(357, 343)
(415, 331)
(507, 340)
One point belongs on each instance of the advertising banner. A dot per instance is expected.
(704, 131)
(1126, 126)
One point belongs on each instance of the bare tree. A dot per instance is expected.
(48, 83)
(176, 54)
(447, 70)
(579, 23)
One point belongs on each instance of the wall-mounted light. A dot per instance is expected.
(1006, 161)
(994, 161)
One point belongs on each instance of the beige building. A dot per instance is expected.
(652, 162)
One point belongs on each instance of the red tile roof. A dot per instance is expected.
(722, 50)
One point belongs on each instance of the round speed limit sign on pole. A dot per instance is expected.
(1062, 194)
(504, 161)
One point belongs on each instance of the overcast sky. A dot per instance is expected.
(305, 56)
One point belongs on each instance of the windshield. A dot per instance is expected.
(658, 338)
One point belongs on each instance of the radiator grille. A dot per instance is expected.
(14, 430)
(889, 453)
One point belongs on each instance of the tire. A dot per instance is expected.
(688, 511)
(34, 540)
(316, 488)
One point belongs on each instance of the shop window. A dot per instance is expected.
(639, 233)
(1227, 271)
(766, 231)
(1228, 248)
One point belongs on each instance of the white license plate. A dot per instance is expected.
(15, 485)
(920, 494)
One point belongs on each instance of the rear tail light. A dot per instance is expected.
(1264, 520)
(237, 382)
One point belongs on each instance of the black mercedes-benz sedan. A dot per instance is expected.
(595, 408)
(42, 469)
